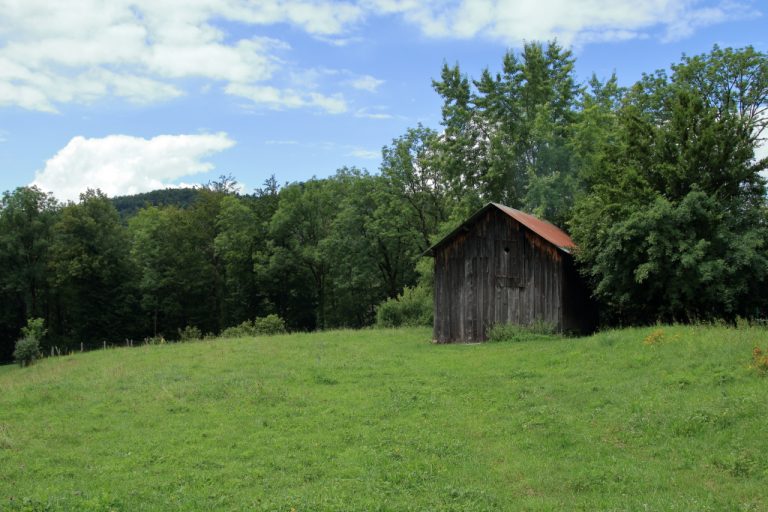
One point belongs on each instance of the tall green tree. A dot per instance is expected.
(301, 227)
(595, 136)
(183, 269)
(236, 244)
(26, 217)
(156, 249)
(507, 135)
(412, 168)
(90, 267)
(676, 226)
(373, 245)
(731, 81)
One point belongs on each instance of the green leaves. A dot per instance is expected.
(507, 138)
(26, 219)
(92, 271)
(674, 226)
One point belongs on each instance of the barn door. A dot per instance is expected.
(509, 263)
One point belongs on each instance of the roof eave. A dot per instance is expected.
(462, 227)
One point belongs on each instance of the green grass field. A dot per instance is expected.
(384, 420)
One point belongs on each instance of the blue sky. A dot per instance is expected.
(131, 95)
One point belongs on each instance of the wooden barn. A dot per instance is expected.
(505, 266)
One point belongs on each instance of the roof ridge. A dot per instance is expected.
(541, 227)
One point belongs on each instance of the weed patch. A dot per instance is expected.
(760, 360)
(6, 443)
(517, 333)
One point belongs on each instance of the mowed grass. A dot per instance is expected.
(385, 420)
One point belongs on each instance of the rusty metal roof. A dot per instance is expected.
(544, 229)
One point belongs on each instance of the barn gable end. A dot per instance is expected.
(505, 266)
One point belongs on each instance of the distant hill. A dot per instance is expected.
(127, 206)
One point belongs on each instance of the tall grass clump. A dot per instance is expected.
(538, 330)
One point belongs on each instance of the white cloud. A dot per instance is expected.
(366, 83)
(279, 99)
(121, 164)
(317, 17)
(365, 154)
(339, 42)
(54, 53)
(571, 22)
(332, 104)
(372, 113)
(702, 17)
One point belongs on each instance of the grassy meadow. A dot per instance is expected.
(663, 418)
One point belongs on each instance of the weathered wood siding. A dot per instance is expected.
(498, 271)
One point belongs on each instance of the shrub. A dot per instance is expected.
(261, 326)
(237, 331)
(27, 351)
(411, 308)
(516, 333)
(28, 347)
(190, 333)
(34, 329)
(269, 325)
(155, 340)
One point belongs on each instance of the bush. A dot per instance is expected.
(516, 333)
(27, 351)
(190, 333)
(28, 347)
(413, 307)
(155, 340)
(34, 329)
(261, 326)
(270, 324)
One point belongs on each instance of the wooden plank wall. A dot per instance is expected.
(495, 272)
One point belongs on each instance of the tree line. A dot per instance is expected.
(658, 184)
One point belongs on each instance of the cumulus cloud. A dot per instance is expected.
(373, 113)
(54, 53)
(366, 83)
(279, 99)
(365, 154)
(515, 21)
(121, 164)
